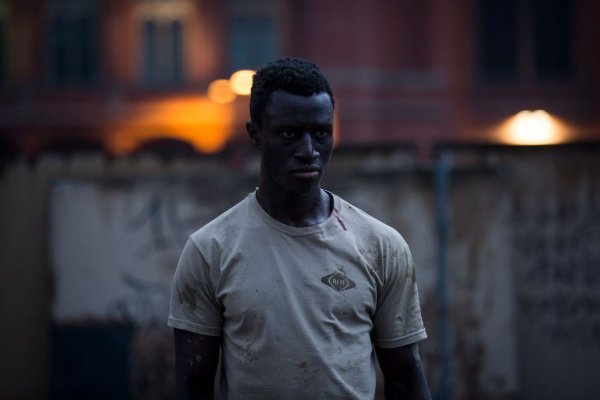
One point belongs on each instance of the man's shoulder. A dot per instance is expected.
(224, 224)
(367, 224)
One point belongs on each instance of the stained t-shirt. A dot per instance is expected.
(298, 309)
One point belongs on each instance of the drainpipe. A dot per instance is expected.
(441, 175)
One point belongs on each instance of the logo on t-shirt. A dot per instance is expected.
(338, 281)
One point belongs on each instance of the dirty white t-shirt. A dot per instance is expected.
(298, 309)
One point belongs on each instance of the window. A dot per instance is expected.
(499, 26)
(4, 26)
(73, 42)
(252, 34)
(528, 39)
(162, 27)
(162, 52)
(552, 38)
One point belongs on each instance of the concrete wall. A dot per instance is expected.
(92, 242)
(556, 247)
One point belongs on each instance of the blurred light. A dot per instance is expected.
(220, 92)
(170, 10)
(241, 81)
(194, 119)
(532, 128)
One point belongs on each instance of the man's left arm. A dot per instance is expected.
(403, 373)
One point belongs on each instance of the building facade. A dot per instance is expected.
(115, 74)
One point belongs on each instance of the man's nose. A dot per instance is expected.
(306, 149)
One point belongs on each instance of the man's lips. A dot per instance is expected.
(306, 172)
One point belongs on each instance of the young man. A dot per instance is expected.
(296, 287)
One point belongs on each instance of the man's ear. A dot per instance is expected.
(254, 133)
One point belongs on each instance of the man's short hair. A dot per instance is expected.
(292, 75)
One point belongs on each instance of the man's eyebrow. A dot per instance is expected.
(324, 127)
(280, 127)
(302, 126)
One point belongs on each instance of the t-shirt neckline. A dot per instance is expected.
(293, 230)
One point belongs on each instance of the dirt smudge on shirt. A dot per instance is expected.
(187, 296)
(373, 255)
(248, 353)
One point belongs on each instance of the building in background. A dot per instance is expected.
(507, 238)
(113, 75)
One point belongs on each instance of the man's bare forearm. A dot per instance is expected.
(196, 360)
(403, 373)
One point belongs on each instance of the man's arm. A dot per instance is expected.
(403, 374)
(196, 359)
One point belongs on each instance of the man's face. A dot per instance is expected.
(296, 139)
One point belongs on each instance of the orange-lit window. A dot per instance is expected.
(161, 41)
(162, 53)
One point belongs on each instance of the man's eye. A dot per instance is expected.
(321, 134)
(288, 134)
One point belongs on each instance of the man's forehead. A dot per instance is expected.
(282, 103)
(283, 92)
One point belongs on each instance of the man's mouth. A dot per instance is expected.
(306, 172)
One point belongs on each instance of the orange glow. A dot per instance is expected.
(336, 128)
(532, 128)
(220, 92)
(241, 82)
(195, 119)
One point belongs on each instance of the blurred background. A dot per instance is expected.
(471, 126)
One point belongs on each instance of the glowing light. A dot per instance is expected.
(241, 81)
(220, 92)
(532, 128)
(197, 120)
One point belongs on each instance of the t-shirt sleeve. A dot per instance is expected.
(194, 306)
(398, 319)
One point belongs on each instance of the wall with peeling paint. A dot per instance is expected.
(92, 242)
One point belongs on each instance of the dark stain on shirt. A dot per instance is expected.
(341, 222)
(187, 296)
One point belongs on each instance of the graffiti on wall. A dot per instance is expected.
(557, 255)
(114, 250)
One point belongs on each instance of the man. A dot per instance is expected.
(294, 285)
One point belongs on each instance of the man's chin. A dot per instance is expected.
(307, 188)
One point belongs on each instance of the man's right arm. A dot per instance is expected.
(196, 359)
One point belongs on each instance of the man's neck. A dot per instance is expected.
(298, 210)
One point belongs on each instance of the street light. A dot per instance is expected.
(533, 128)
(220, 91)
(241, 82)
